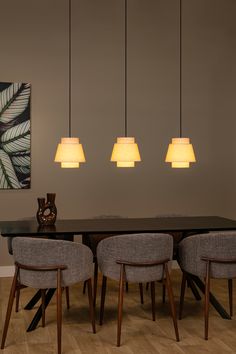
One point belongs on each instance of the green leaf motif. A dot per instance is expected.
(8, 178)
(21, 153)
(17, 138)
(22, 169)
(13, 101)
(23, 160)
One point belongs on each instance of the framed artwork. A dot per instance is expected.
(15, 139)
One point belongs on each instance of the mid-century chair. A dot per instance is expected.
(211, 255)
(43, 264)
(136, 258)
(20, 286)
(92, 241)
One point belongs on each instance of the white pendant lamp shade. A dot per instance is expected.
(180, 153)
(69, 153)
(125, 152)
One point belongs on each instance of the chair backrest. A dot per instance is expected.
(138, 248)
(42, 252)
(215, 245)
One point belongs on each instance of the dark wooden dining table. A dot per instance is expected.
(72, 227)
(66, 229)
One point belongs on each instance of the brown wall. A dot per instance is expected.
(33, 37)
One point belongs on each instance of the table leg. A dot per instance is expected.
(38, 315)
(33, 301)
(219, 308)
(193, 288)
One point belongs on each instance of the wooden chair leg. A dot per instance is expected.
(91, 304)
(43, 291)
(207, 295)
(17, 296)
(120, 303)
(141, 292)
(67, 297)
(171, 301)
(147, 286)
(230, 288)
(103, 295)
(9, 307)
(153, 300)
(182, 293)
(59, 311)
(127, 286)
(95, 283)
(84, 286)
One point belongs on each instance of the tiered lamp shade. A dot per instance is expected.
(125, 152)
(69, 153)
(180, 153)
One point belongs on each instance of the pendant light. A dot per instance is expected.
(125, 151)
(69, 152)
(180, 152)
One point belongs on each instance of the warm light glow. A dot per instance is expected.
(69, 164)
(69, 153)
(125, 152)
(180, 153)
(180, 164)
(125, 164)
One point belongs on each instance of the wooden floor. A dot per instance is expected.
(140, 335)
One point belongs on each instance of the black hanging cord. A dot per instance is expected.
(180, 68)
(69, 57)
(126, 68)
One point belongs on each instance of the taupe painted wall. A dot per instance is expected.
(33, 37)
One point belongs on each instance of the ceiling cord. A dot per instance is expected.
(126, 125)
(180, 69)
(69, 62)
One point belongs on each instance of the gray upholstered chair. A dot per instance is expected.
(177, 236)
(136, 258)
(211, 255)
(20, 286)
(92, 241)
(43, 264)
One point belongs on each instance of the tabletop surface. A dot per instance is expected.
(117, 225)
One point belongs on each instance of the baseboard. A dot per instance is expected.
(6, 271)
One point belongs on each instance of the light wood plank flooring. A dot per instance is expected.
(140, 335)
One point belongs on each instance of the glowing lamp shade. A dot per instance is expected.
(69, 153)
(125, 152)
(180, 153)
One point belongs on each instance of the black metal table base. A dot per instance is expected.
(219, 308)
(38, 315)
(192, 280)
(193, 288)
(33, 301)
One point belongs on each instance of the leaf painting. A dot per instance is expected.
(15, 139)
